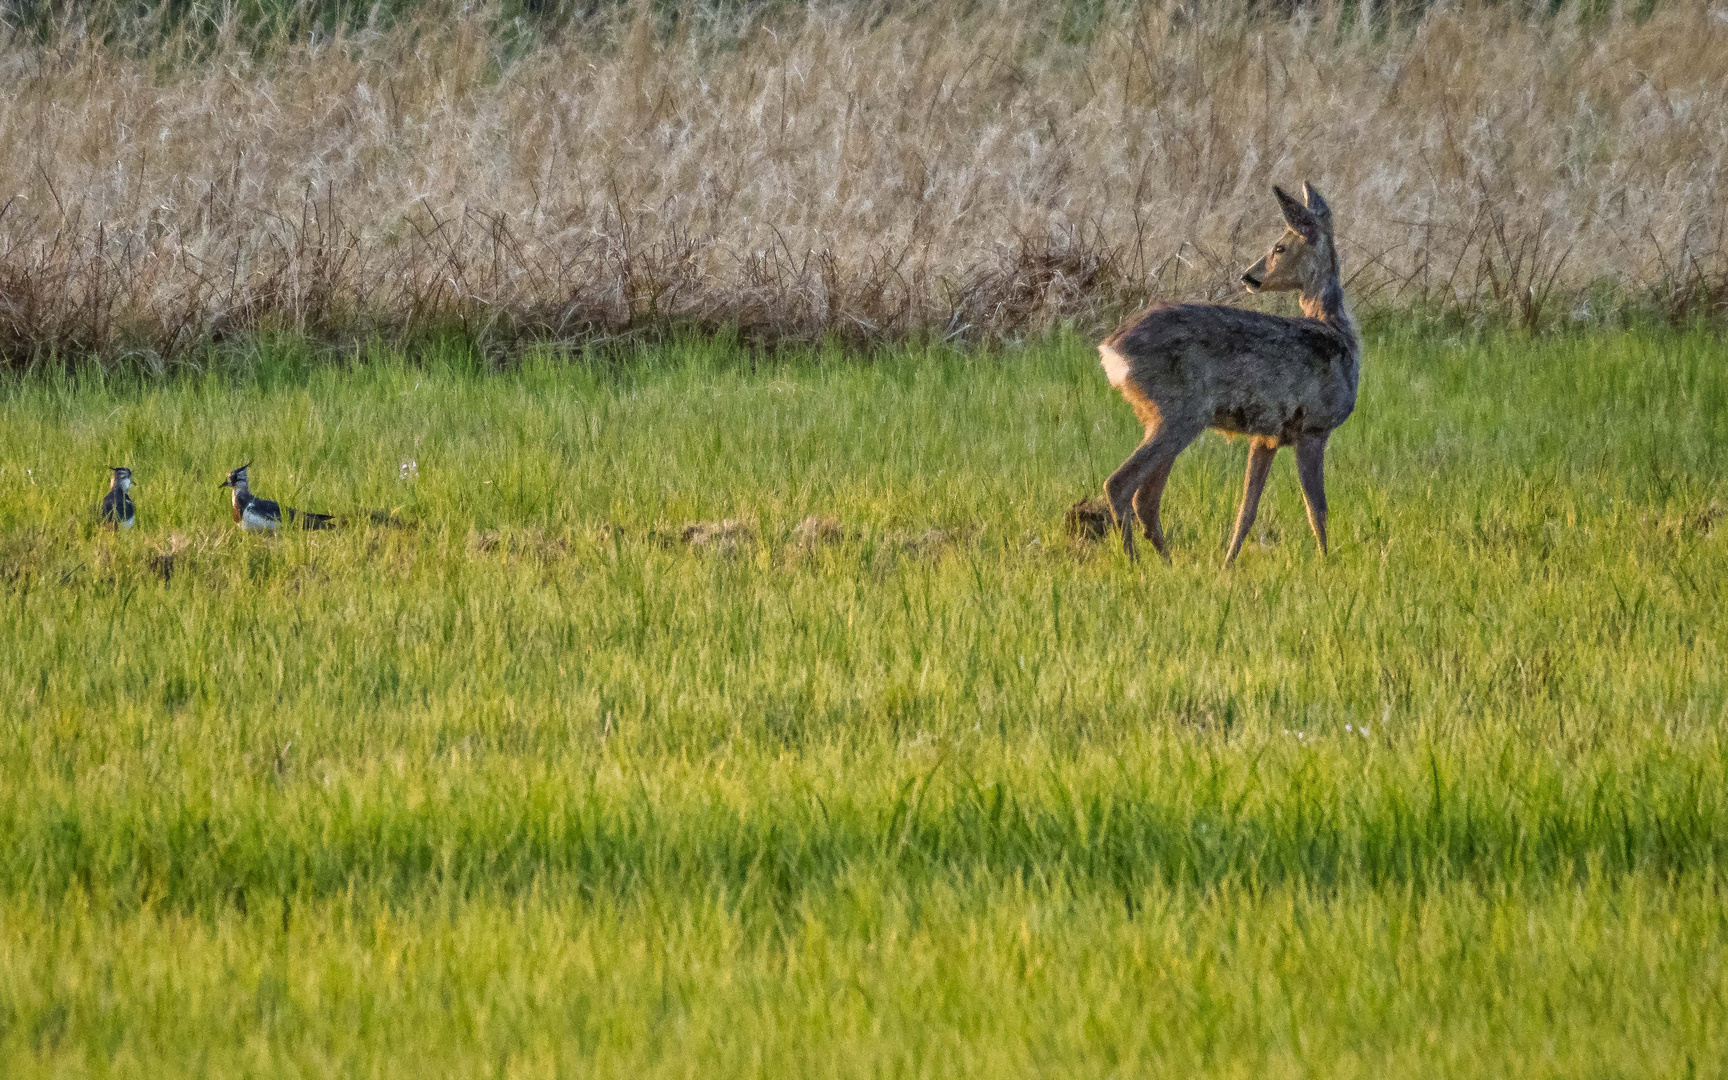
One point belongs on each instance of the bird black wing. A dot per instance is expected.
(117, 507)
(267, 509)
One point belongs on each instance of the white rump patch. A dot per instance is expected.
(1115, 365)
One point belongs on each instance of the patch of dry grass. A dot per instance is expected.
(967, 170)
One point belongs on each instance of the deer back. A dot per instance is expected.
(1244, 372)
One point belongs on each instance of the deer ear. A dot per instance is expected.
(1317, 206)
(1297, 215)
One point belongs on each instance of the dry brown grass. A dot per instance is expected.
(829, 174)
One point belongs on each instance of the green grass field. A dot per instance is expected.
(534, 787)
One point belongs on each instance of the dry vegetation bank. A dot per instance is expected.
(984, 171)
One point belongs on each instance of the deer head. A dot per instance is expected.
(1303, 259)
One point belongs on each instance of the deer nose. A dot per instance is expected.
(1250, 281)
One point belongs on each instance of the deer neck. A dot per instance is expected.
(1323, 299)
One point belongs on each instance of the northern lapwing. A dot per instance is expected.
(263, 515)
(117, 509)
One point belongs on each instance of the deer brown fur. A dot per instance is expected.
(1281, 381)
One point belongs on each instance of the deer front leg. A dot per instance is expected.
(1311, 470)
(1260, 455)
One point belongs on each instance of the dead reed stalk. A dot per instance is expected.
(952, 170)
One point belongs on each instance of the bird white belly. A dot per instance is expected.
(1115, 365)
(249, 520)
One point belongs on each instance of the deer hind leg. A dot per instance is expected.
(1147, 502)
(1260, 454)
(1138, 486)
(1311, 470)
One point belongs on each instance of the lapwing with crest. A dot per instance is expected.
(117, 509)
(265, 515)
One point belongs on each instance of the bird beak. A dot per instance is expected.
(226, 483)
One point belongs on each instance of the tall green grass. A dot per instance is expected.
(529, 785)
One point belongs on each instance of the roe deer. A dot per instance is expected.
(1281, 381)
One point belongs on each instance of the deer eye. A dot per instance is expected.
(1279, 250)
